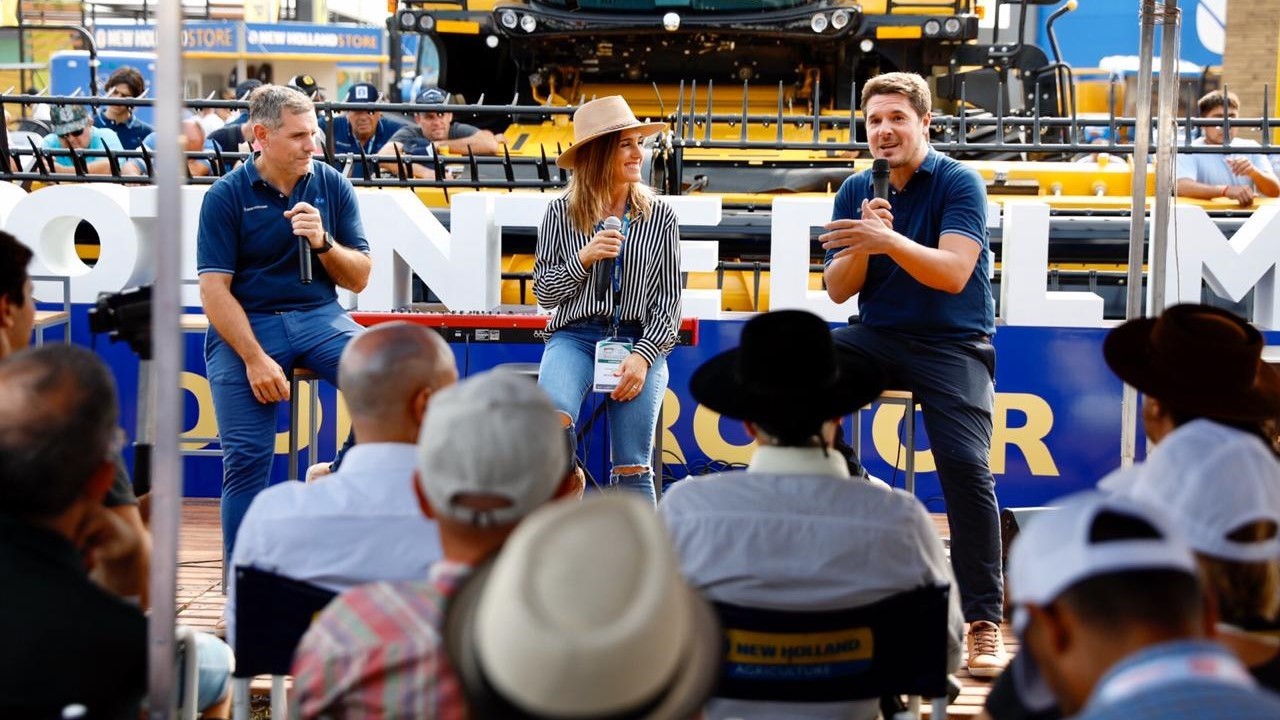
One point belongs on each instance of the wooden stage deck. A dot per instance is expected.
(200, 599)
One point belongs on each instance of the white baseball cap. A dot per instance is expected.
(584, 614)
(1212, 480)
(1056, 550)
(495, 434)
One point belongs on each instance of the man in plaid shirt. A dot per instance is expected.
(490, 452)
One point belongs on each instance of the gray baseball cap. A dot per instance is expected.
(494, 434)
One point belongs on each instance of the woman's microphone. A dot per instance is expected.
(604, 276)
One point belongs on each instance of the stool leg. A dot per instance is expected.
(293, 427)
(910, 418)
(656, 460)
(313, 430)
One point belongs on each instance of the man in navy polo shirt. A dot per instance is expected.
(264, 320)
(356, 130)
(125, 82)
(919, 266)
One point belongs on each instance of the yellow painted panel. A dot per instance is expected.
(458, 27)
(899, 32)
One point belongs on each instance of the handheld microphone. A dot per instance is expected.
(304, 260)
(604, 276)
(880, 178)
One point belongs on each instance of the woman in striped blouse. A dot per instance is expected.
(607, 283)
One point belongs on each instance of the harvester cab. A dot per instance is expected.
(762, 94)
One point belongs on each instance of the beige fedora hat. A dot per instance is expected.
(601, 117)
(584, 614)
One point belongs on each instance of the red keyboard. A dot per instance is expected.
(493, 327)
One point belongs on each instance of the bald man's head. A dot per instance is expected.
(386, 370)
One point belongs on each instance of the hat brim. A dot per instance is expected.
(715, 385)
(71, 127)
(1127, 351)
(566, 159)
(685, 696)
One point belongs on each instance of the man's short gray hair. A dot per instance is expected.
(269, 103)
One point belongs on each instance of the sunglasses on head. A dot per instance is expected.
(433, 97)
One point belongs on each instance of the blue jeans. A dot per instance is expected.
(313, 339)
(213, 672)
(953, 380)
(566, 374)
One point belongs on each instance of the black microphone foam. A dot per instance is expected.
(604, 276)
(880, 178)
(304, 260)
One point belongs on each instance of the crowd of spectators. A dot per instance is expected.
(477, 578)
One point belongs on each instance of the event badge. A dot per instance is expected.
(609, 356)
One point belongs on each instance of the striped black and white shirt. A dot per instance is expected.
(650, 275)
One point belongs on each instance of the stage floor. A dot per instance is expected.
(200, 599)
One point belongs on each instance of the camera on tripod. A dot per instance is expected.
(124, 316)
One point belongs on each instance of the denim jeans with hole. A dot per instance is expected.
(566, 374)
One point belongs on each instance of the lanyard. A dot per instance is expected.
(617, 268)
(1201, 664)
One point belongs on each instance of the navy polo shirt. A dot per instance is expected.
(131, 133)
(344, 141)
(244, 233)
(943, 196)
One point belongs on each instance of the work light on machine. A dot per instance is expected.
(818, 23)
(839, 19)
(951, 26)
(508, 19)
(932, 28)
(528, 23)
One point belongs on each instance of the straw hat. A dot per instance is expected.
(601, 117)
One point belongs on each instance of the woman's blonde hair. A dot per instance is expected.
(592, 178)
(1244, 590)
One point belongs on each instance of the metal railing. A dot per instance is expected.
(698, 132)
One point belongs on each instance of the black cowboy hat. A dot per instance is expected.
(785, 369)
(1198, 360)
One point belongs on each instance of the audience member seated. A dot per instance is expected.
(357, 131)
(584, 615)
(1113, 621)
(361, 523)
(1189, 362)
(125, 82)
(1241, 176)
(68, 640)
(436, 132)
(490, 451)
(1221, 488)
(795, 531)
(73, 129)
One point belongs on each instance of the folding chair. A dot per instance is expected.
(895, 646)
(272, 613)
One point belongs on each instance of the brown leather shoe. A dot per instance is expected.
(987, 657)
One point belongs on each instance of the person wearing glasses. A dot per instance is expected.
(73, 129)
(125, 82)
(434, 132)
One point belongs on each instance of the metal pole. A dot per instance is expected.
(1166, 151)
(166, 464)
(1137, 223)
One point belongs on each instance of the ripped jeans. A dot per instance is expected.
(566, 375)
